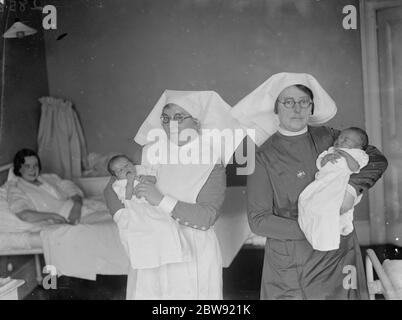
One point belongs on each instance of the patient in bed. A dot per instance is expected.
(42, 198)
(150, 237)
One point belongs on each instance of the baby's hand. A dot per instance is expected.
(150, 179)
(330, 157)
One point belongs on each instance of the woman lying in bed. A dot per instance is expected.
(42, 198)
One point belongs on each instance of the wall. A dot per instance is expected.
(25, 81)
(118, 56)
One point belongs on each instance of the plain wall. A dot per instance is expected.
(25, 82)
(119, 55)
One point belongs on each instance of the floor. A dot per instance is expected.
(241, 280)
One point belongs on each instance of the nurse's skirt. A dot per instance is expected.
(294, 270)
(198, 279)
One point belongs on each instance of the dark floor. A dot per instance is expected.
(241, 280)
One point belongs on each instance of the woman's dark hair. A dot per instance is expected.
(19, 160)
(363, 136)
(306, 90)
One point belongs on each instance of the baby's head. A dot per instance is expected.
(352, 138)
(119, 166)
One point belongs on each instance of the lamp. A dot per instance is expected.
(19, 30)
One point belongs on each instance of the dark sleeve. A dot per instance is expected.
(260, 198)
(112, 201)
(203, 214)
(369, 175)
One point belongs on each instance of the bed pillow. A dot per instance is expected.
(8, 221)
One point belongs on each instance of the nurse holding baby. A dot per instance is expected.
(189, 192)
(287, 112)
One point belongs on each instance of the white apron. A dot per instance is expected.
(149, 235)
(201, 277)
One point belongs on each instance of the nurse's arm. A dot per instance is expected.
(260, 198)
(202, 214)
(369, 174)
(112, 201)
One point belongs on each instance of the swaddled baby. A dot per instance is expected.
(150, 237)
(323, 214)
(128, 176)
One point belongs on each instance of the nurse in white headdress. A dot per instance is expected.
(189, 189)
(286, 112)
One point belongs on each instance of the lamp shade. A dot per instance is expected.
(19, 30)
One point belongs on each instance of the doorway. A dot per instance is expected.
(381, 33)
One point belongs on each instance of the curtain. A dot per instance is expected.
(61, 143)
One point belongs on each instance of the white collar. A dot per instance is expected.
(292, 133)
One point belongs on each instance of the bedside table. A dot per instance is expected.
(9, 288)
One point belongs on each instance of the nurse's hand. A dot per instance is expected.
(151, 179)
(351, 162)
(330, 157)
(149, 191)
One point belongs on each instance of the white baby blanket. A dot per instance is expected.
(150, 236)
(320, 202)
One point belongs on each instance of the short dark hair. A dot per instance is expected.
(112, 161)
(19, 160)
(303, 88)
(362, 135)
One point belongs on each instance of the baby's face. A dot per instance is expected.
(122, 167)
(348, 139)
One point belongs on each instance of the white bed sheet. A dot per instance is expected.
(19, 241)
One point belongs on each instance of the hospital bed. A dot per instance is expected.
(232, 228)
(21, 244)
(31, 243)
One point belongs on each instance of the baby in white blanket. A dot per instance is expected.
(324, 212)
(150, 237)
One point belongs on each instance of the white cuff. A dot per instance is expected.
(167, 204)
(117, 214)
(350, 189)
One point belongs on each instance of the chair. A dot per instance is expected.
(389, 274)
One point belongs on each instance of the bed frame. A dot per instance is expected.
(19, 252)
(90, 186)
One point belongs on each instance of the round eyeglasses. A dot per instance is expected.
(290, 103)
(177, 117)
